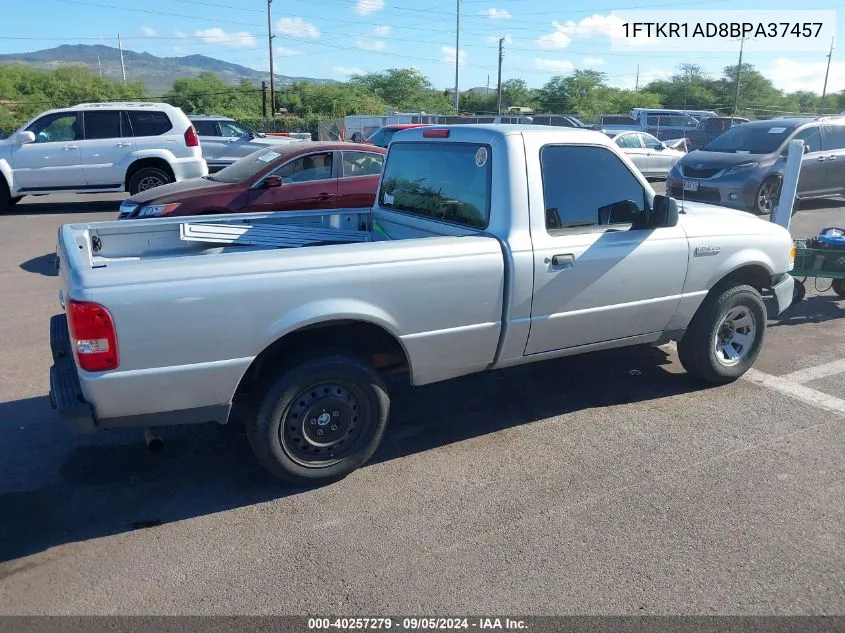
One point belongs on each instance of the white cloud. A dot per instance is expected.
(281, 51)
(555, 65)
(297, 27)
(381, 31)
(365, 7)
(558, 39)
(344, 70)
(593, 61)
(592, 26)
(219, 36)
(494, 39)
(791, 75)
(148, 31)
(497, 14)
(370, 45)
(178, 33)
(629, 82)
(449, 56)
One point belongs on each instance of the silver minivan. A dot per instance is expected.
(743, 167)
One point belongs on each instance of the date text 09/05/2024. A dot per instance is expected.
(722, 29)
(415, 623)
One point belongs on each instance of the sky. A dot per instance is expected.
(336, 38)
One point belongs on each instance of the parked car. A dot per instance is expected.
(99, 148)
(382, 136)
(303, 175)
(224, 140)
(664, 124)
(652, 157)
(559, 120)
(709, 129)
(487, 247)
(743, 167)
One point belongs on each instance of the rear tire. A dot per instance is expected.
(6, 200)
(799, 292)
(725, 336)
(148, 178)
(838, 287)
(319, 420)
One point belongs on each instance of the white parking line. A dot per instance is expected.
(819, 371)
(797, 391)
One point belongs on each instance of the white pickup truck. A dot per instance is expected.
(487, 247)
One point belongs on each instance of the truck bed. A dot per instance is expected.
(125, 242)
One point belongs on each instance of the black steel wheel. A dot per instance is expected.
(838, 286)
(320, 419)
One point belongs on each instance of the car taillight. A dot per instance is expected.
(191, 137)
(92, 335)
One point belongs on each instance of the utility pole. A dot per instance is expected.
(826, 73)
(499, 89)
(99, 66)
(270, 37)
(637, 82)
(122, 67)
(738, 73)
(263, 99)
(488, 86)
(686, 84)
(457, 51)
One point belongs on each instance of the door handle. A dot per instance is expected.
(123, 144)
(564, 260)
(832, 157)
(821, 159)
(70, 147)
(325, 196)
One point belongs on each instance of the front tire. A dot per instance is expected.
(767, 196)
(838, 287)
(148, 178)
(319, 420)
(725, 336)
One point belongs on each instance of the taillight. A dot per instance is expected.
(191, 137)
(92, 336)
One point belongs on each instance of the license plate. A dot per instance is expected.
(690, 185)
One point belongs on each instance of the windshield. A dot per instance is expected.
(751, 139)
(381, 138)
(250, 166)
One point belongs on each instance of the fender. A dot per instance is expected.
(746, 257)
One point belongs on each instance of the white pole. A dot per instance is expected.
(782, 213)
(122, 67)
(457, 51)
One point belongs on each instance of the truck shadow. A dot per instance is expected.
(56, 488)
(812, 309)
(46, 205)
(41, 265)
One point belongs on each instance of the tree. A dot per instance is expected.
(515, 93)
(403, 89)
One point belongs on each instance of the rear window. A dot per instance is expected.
(205, 128)
(441, 181)
(150, 123)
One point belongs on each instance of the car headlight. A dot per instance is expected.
(127, 207)
(741, 167)
(154, 210)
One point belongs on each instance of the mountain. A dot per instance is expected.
(158, 73)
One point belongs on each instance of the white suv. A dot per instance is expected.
(98, 148)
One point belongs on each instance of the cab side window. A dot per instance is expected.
(571, 196)
(307, 169)
(834, 136)
(812, 138)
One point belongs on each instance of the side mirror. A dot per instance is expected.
(272, 182)
(22, 138)
(806, 149)
(664, 213)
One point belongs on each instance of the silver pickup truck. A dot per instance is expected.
(487, 247)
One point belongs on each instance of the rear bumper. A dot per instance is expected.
(187, 168)
(65, 391)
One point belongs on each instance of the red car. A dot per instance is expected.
(306, 175)
(381, 137)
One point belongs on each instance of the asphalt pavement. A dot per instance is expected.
(605, 484)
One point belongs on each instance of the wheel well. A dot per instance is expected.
(159, 163)
(370, 342)
(754, 275)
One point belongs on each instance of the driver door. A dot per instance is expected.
(596, 278)
(308, 182)
(54, 161)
